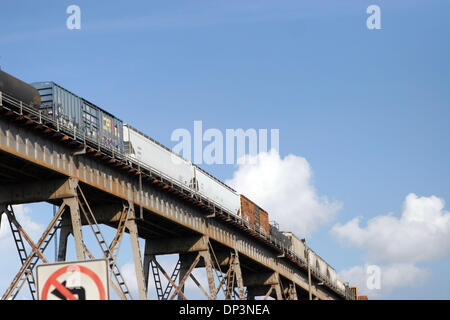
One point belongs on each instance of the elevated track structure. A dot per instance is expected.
(44, 161)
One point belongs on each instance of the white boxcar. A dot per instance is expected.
(151, 153)
(297, 245)
(215, 190)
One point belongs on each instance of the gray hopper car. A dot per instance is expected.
(159, 158)
(316, 263)
(278, 237)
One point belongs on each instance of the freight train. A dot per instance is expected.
(102, 129)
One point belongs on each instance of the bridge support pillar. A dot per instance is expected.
(148, 256)
(209, 273)
(278, 290)
(76, 227)
(233, 275)
(238, 272)
(263, 284)
(69, 221)
(64, 190)
(186, 260)
(290, 290)
(194, 252)
(293, 291)
(65, 231)
(132, 228)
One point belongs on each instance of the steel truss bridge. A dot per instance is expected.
(43, 161)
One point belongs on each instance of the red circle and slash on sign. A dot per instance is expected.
(53, 280)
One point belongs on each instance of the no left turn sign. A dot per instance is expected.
(80, 280)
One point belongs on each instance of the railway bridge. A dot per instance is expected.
(42, 161)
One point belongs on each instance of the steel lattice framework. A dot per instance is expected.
(41, 161)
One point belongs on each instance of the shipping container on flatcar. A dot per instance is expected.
(254, 215)
(77, 113)
(19, 90)
(297, 246)
(217, 191)
(151, 153)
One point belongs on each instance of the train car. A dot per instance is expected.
(111, 131)
(264, 221)
(332, 276)
(254, 215)
(297, 246)
(278, 237)
(60, 104)
(78, 114)
(157, 157)
(19, 90)
(354, 290)
(322, 267)
(312, 259)
(316, 263)
(214, 189)
(341, 286)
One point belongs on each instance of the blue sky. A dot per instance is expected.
(368, 109)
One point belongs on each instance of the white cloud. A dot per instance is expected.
(422, 233)
(398, 274)
(391, 276)
(284, 189)
(3, 227)
(33, 229)
(22, 214)
(129, 275)
(397, 244)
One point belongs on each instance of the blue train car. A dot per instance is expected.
(77, 113)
